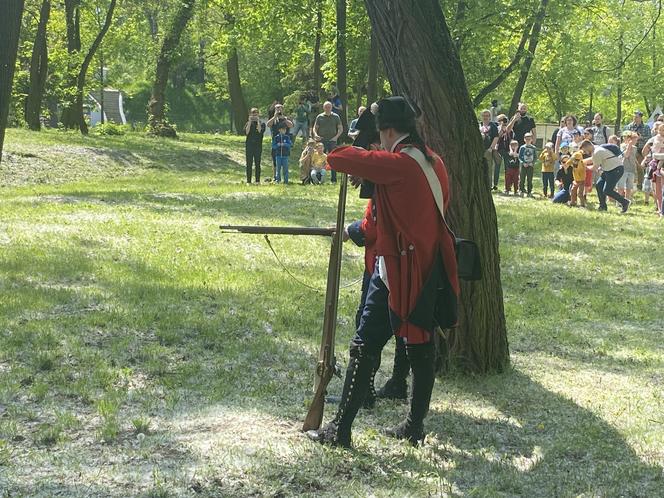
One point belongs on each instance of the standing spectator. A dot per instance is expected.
(626, 183)
(608, 158)
(643, 130)
(253, 145)
(302, 120)
(337, 105)
(495, 110)
(275, 123)
(548, 159)
(527, 155)
(524, 124)
(352, 131)
(281, 144)
(328, 129)
(600, 131)
(505, 136)
(567, 132)
(647, 157)
(512, 168)
(489, 132)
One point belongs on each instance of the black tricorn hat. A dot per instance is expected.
(395, 112)
(366, 125)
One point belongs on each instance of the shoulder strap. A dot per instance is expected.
(432, 178)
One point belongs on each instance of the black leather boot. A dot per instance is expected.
(397, 386)
(422, 361)
(370, 400)
(356, 385)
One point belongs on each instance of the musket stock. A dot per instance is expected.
(326, 365)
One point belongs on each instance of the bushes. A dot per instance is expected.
(110, 129)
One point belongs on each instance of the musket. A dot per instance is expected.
(328, 232)
(327, 361)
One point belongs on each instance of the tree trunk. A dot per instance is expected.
(38, 70)
(69, 115)
(156, 107)
(10, 27)
(318, 77)
(342, 83)
(423, 65)
(240, 114)
(372, 77)
(619, 79)
(530, 55)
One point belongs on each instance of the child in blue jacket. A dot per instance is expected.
(281, 144)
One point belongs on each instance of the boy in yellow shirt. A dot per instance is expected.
(318, 162)
(548, 159)
(578, 164)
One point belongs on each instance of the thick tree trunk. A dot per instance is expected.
(318, 77)
(240, 114)
(372, 77)
(342, 83)
(38, 70)
(156, 113)
(422, 64)
(530, 55)
(10, 27)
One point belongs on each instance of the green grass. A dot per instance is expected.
(145, 353)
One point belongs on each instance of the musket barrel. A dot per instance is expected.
(326, 232)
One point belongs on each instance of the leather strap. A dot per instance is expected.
(432, 178)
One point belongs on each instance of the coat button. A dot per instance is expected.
(403, 253)
(411, 247)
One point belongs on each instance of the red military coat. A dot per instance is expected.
(409, 230)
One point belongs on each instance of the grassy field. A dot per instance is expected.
(145, 353)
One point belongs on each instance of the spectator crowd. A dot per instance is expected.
(576, 160)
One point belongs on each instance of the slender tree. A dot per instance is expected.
(318, 77)
(157, 105)
(530, 55)
(372, 77)
(423, 65)
(342, 84)
(72, 115)
(238, 104)
(38, 70)
(10, 27)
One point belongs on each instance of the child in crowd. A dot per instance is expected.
(654, 171)
(575, 144)
(527, 155)
(318, 162)
(578, 165)
(512, 168)
(647, 157)
(548, 159)
(281, 144)
(564, 180)
(625, 185)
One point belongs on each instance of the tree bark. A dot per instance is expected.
(318, 77)
(530, 55)
(38, 70)
(423, 65)
(10, 27)
(342, 83)
(240, 114)
(372, 77)
(156, 107)
(619, 79)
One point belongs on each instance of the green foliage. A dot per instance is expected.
(110, 129)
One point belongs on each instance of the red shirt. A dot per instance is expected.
(409, 229)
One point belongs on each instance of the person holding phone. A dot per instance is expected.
(253, 144)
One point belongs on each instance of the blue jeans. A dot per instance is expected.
(561, 197)
(606, 185)
(302, 126)
(282, 166)
(329, 145)
(547, 181)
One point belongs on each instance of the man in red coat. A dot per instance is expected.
(414, 286)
